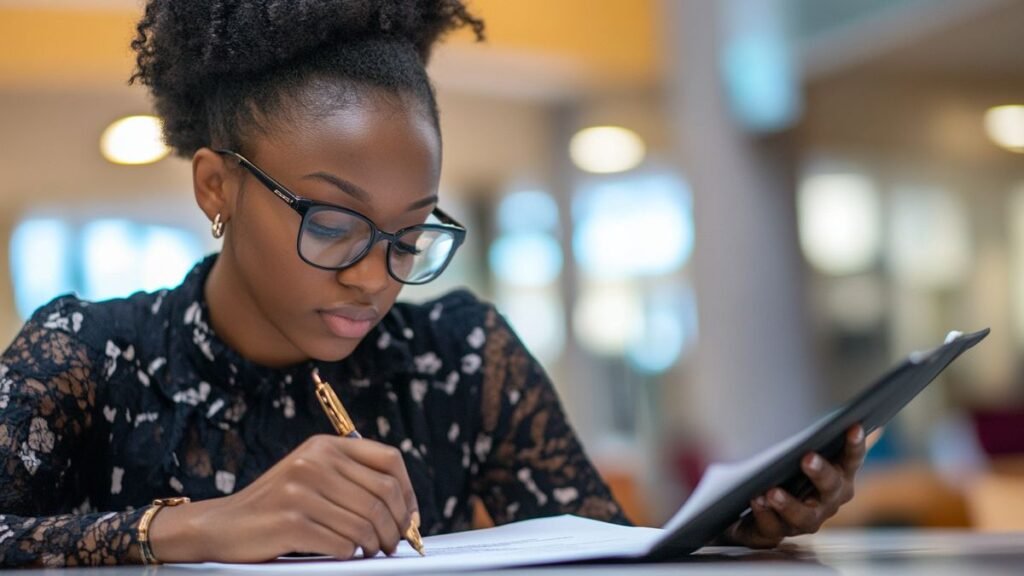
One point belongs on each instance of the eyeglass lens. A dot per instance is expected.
(335, 239)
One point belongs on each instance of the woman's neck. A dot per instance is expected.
(238, 321)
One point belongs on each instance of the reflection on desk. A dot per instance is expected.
(875, 552)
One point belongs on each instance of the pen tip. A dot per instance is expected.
(412, 534)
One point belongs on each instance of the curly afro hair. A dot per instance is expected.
(223, 70)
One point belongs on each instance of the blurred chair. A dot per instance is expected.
(911, 495)
(996, 497)
(1000, 432)
(996, 500)
(624, 487)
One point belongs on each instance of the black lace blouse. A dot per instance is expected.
(105, 406)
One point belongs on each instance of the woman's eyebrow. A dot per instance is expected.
(362, 195)
(340, 183)
(423, 203)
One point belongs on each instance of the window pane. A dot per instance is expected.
(167, 256)
(633, 226)
(40, 263)
(120, 257)
(110, 257)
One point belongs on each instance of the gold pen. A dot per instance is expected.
(343, 425)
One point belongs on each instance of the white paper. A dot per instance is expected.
(539, 541)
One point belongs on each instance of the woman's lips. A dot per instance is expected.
(354, 323)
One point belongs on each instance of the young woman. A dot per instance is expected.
(313, 134)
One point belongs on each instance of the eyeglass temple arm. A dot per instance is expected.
(274, 186)
(445, 218)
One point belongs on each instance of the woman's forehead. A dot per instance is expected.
(369, 128)
(392, 153)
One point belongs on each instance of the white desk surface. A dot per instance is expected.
(846, 552)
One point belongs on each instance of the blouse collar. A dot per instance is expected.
(380, 354)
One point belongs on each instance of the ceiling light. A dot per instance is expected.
(606, 149)
(134, 140)
(1005, 126)
(839, 222)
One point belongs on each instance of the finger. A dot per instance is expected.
(801, 518)
(351, 528)
(344, 526)
(386, 460)
(343, 484)
(853, 454)
(350, 489)
(827, 479)
(767, 528)
(318, 538)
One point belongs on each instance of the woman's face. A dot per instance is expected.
(387, 154)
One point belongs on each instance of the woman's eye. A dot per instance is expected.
(405, 249)
(321, 231)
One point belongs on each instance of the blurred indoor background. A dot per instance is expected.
(711, 220)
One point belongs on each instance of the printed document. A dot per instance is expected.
(540, 541)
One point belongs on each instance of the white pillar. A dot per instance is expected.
(752, 381)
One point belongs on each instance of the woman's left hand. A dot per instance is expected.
(777, 514)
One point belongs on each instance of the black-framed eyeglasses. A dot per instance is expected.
(333, 238)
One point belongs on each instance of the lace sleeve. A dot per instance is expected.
(534, 464)
(47, 396)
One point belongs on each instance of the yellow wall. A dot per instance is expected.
(65, 47)
(619, 38)
(614, 38)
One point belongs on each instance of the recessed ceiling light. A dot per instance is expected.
(1005, 126)
(606, 149)
(134, 140)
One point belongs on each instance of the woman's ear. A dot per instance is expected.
(214, 186)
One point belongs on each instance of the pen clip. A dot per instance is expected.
(333, 407)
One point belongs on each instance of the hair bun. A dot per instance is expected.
(214, 38)
(209, 63)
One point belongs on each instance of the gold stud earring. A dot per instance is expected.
(217, 228)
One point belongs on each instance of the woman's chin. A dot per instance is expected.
(332, 349)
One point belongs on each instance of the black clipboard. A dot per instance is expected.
(872, 407)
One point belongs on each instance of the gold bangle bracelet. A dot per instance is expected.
(147, 518)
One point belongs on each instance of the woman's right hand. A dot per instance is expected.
(331, 495)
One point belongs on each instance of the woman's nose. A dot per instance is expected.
(369, 274)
